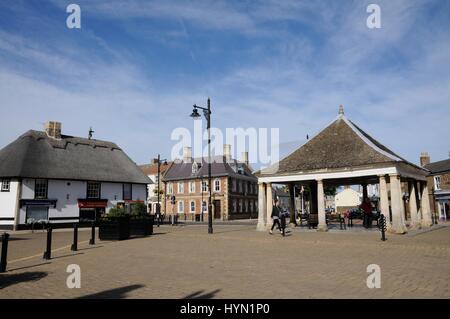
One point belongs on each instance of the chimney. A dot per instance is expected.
(53, 129)
(341, 110)
(245, 158)
(424, 159)
(154, 161)
(187, 154)
(227, 152)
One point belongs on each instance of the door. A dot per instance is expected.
(217, 209)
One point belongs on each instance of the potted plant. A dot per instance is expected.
(115, 225)
(141, 223)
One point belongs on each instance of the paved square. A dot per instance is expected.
(235, 262)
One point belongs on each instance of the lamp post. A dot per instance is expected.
(158, 205)
(195, 115)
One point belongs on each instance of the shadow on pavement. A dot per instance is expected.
(117, 293)
(26, 267)
(9, 280)
(201, 295)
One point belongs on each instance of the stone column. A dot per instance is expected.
(321, 207)
(425, 206)
(398, 222)
(384, 200)
(269, 205)
(262, 206)
(365, 194)
(415, 220)
(292, 222)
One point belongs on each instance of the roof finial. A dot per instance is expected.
(341, 109)
(90, 133)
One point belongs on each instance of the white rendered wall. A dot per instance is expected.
(8, 202)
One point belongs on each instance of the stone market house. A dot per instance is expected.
(440, 180)
(343, 154)
(47, 176)
(234, 188)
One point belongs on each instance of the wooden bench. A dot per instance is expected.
(336, 218)
(313, 220)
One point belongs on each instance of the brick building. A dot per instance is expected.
(234, 188)
(439, 178)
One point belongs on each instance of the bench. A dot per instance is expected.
(336, 218)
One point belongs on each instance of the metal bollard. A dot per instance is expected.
(92, 240)
(382, 226)
(75, 238)
(48, 252)
(3, 261)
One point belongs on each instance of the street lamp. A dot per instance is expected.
(196, 115)
(158, 205)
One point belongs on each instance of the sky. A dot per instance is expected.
(135, 68)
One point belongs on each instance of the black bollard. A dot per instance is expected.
(92, 240)
(382, 227)
(75, 238)
(48, 252)
(3, 261)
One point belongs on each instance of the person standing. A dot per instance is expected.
(276, 214)
(367, 208)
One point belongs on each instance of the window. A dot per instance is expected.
(245, 187)
(204, 207)
(194, 168)
(127, 191)
(180, 187)
(437, 183)
(41, 189)
(192, 187)
(239, 187)
(234, 206)
(6, 185)
(170, 188)
(180, 207)
(192, 206)
(38, 213)
(204, 186)
(217, 185)
(93, 190)
(240, 208)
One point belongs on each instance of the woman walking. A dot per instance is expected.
(276, 214)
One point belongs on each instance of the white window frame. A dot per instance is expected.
(192, 187)
(190, 206)
(6, 185)
(234, 205)
(204, 186)
(437, 183)
(180, 202)
(217, 189)
(204, 206)
(180, 188)
(170, 188)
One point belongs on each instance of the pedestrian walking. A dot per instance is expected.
(276, 214)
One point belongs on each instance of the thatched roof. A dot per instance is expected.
(36, 155)
(341, 145)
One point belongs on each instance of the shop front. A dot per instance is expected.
(36, 210)
(92, 209)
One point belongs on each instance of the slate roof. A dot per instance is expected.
(439, 167)
(180, 170)
(342, 144)
(35, 155)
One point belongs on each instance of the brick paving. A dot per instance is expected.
(235, 262)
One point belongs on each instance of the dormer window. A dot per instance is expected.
(241, 170)
(194, 168)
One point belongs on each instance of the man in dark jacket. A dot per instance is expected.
(276, 214)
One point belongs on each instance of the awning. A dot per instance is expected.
(38, 202)
(92, 203)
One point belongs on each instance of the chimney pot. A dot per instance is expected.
(187, 154)
(53, 129)
(424, 159)
(227, 152)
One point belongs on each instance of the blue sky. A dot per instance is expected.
(135, 69)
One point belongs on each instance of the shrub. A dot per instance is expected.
(138, 209)
(117, 212)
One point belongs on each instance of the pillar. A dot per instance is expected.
(415, 220)
(398, 214)
(269, 204)
(425, 206)
(292, 222)
(365, 194)
(321, 206)
(384, 200)
(261, 207)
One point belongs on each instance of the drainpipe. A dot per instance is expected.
(17, 212)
